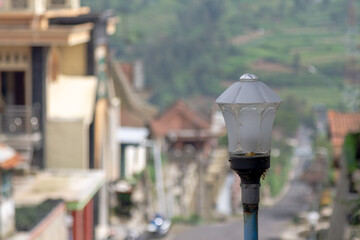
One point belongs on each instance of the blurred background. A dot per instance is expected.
(109, 127)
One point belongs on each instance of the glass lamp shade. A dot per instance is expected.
(249, 108)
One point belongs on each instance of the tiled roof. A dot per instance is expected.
(341, 124)
(179, 116)
(128, 118)
(127, 68)
(137, 112)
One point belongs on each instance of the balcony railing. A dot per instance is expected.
(18, 120)
(36, 6)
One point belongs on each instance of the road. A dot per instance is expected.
(272, 220)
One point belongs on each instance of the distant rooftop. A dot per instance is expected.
(179, 117)
(135, 111)
(341, 124)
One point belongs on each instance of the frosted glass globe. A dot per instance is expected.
(249, 108)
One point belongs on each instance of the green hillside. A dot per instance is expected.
(192, 47)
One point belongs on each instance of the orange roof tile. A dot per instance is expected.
(179, 116)
(8, 157)
(341, 124)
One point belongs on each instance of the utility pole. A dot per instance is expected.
(159, 178)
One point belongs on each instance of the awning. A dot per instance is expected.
(72, 98)
(131, 135)
(75, 187)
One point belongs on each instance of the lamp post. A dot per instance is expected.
(249, 108)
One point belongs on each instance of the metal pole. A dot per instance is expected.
(159, 179)
(251, 225)
(250, 169)
(250, 198)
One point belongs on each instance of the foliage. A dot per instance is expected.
(352, 98)
(323, 146)
(150, 168)
(311, 95)
(223, 141)
(188, 46)
(350, 152)
(291, 114)
(26, 218)
(193, 219)
(280, 166)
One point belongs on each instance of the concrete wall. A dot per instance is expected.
(67, 144)
(74, 59)
(113, 148)
(54, 227)
(7, 214)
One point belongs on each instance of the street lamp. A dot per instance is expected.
(249, 108)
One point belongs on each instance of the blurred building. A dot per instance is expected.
(344, 131)
(77, 188)
(184, 130)
(339, 125)
(135, 116)
(320, 113)
(58, 104)
(185, 135)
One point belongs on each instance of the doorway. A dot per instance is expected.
(13, 87)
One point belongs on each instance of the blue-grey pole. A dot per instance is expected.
(250, 199)
(251, 225)
(250, 169)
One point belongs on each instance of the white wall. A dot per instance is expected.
(67, 144)
(7, 213)
(135, 160)
(56, 230)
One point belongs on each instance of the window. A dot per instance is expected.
(13, 87)
(19, 4)
(17, 58)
